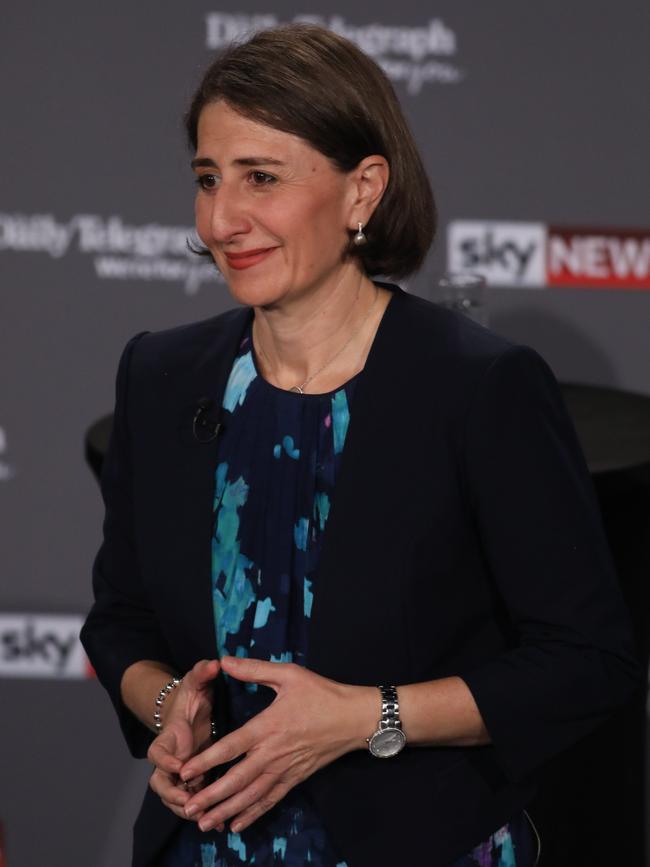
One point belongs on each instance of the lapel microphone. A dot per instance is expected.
(205, 427)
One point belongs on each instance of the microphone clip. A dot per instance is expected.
(204, 427)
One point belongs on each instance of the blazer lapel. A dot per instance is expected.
(359, 554)
(186, 514)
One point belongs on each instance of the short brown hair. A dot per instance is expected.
(306, 80)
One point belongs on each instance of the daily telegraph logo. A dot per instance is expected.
(120, 251)
(533, 255)
(412, 55)
(42, 645)
(7, 471)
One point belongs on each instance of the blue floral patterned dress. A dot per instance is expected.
(277, 462)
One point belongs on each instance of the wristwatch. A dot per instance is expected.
(389, 739)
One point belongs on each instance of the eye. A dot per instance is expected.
(261, 179)
(208, 182)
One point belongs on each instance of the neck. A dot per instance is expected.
(294, 341)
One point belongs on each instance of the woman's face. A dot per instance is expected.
(272, 210)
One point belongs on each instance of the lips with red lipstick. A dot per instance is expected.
(247, 258)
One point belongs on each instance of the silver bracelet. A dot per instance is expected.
(162, 695)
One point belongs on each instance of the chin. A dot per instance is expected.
(254, 293)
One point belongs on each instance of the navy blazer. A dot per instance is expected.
(463, 539)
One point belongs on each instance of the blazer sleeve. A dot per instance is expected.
(539, 525)
(121, 627)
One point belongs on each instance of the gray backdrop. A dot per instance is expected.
(524, 112)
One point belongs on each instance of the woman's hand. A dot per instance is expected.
(186, 719)
(311, 722)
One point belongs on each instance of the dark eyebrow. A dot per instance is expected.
(257, 161)
(206, 162)
(203, 162)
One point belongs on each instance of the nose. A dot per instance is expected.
(227, 218)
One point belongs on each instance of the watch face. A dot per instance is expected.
(387, 743)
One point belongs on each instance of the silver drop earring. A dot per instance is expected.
(360, 239)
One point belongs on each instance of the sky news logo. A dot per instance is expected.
(42, 646)
(535, 256)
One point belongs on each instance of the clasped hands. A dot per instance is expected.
(311, 722)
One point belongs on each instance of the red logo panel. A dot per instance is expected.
(598, 258)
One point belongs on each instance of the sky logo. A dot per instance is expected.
(42, 646)
(506, 254)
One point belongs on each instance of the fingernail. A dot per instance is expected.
(192, 810)
(235, 828)
(205, 824)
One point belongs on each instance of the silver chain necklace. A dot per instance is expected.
(300, 389)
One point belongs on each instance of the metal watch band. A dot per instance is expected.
(389, 708)
(389, 739)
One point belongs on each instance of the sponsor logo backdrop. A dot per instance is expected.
(532, 255)
(42, 646)
(534, 129)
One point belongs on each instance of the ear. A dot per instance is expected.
(368, 182)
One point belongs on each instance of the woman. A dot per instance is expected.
(394, 498)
